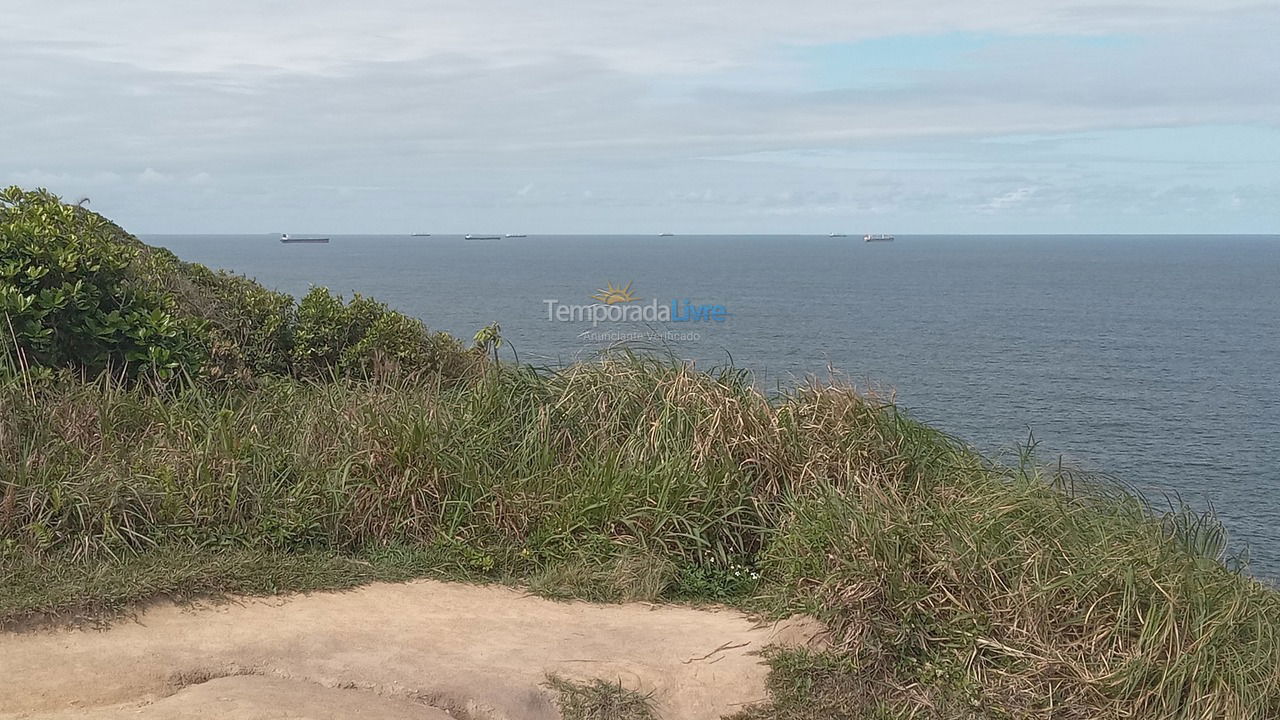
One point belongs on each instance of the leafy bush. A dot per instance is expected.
(79, 292)
(332, 337)
(69, 300)
(392, 341)
(366, 338)
(321, 334)
(250, 327)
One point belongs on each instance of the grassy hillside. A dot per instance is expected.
(954, 586)
(80, 294)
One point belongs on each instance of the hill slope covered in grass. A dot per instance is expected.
(954, 586)
(79, 293)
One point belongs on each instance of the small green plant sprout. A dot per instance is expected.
(488, 339)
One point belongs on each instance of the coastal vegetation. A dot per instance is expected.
(80, 294)
(170, 431)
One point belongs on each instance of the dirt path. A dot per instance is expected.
(423, 650)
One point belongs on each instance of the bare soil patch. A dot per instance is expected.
(425, 649)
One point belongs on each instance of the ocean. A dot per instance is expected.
(1152, 359)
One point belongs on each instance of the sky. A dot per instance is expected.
(584, 116)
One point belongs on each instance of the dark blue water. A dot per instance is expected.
(1151, 358)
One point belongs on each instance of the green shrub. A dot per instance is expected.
(327, 329)
(399, 343)
(365, 338)
(250, 327)
(78, 292)
(69, 300)
(392, 340)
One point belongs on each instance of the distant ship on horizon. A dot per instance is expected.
(665, 234)
(837, 235)
(420, 235)
(878, 238)
(284, 238)
(481, 237)
(515, 235)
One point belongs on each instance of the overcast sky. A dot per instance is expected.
(679, 115)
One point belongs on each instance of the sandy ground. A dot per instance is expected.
(423, 650)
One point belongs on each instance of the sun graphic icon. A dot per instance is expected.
(610, 295)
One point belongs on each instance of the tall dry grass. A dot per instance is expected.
(953, 584)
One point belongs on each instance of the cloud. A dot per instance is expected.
(712, 107)
(42, 178)
(1011, 199)
(656, 36)
(151, 176)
